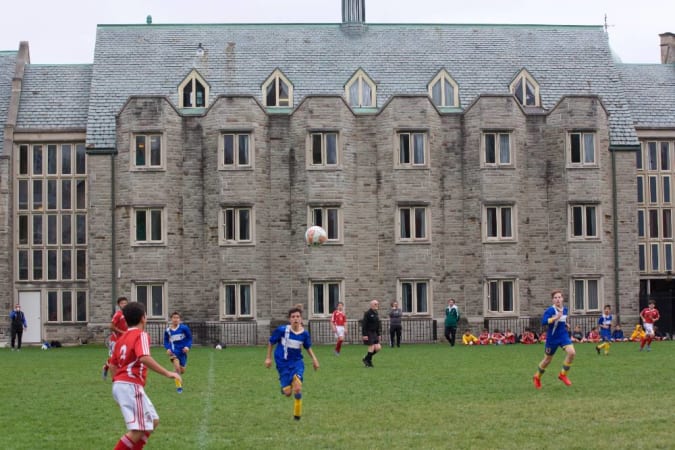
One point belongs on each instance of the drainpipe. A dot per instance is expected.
(113, 256)
(615, 232)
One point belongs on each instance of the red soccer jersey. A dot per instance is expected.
(484, 338)
(129, 349)
(650, 315)
(118, 321)
(339, 318)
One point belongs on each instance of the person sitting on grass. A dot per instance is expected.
(484, 338)
(578, 335)
(617, 334)
(528, 337)
(638, 334)
(593, 336)
(469, 339)
(497, 337)
(509, 337)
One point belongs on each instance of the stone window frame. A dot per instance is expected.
(499, 234)
(399, 162)
(232, 236)
(519, 87)
(497, 284)
(57, 309)
(149, 242)
(319, 214)
(413, 308)
(581, 219)
(442, 79)
(274, 81)
(236, 162)
(133, 151)
(321, 137)
(149, 304)
(193, 79)
(413, 208)
(325, 285)
(582, 149)
(498, 152)
(237, 285)
(361, 79)
(586, 284)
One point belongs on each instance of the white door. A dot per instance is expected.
(30, 305)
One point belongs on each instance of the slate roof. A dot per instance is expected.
(321, 58)
(7, 68)
(650, 92)
(54, 97)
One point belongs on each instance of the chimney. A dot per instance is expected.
(667, 48)
(353, 11)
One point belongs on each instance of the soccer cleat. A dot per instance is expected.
(564, 379)
(104, 373)
(597, 349)
(649, 349)
(537, 382)
(336, 353)
(179, 386)
(296, 417)
(365, 362)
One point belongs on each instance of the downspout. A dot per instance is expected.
(113, 255)
(615, 232)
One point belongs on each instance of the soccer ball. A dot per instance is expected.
(219, 347)
(45, 346)
(315, 236)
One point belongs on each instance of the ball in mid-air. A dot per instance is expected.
(315, 235)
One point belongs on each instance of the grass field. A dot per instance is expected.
(418, 396)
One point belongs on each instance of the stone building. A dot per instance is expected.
(488, 163)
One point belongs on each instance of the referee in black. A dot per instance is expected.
(371, 332)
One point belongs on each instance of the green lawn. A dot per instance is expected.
(418, 396)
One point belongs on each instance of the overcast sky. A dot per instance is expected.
(64, 31)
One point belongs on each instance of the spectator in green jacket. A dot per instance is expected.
(451, 319)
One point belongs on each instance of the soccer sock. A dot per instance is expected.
(369, 356)
(539, 372)
(338, 347)
(642, 342)
(124, 443)
(297, 405)
(142, 441)
(565, 369)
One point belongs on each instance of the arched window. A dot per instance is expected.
(360, 91)
(277, 90)
(193, 92)
(443, 90)
(526, 89)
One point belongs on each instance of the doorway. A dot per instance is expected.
(30, 305)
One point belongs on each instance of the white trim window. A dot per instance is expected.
(412, 149)
(415, 296)
(277, 91)
(499, 223)
(581, 146)
(328, 217)
(153, 296)
(360, 91)
(497, 150)
(325, 296)
(584, 222)
(236, 225)
(586, 294)
(412, 223)
(237, 299)
(64, 305)
(148, 226)
(193, 92)
(236, 150)
(443, 90)
(501, 296)
(147, 151)
(323, 150)
(526, 89)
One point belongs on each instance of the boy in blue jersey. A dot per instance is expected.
(555, 317)
(290, 340)
(177, 342)
(605, 324)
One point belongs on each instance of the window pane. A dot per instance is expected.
(228, 149)
(575, 148)
(51, 194)
(419, 148)
(23, 230)
(187, 95)
(81, 228)
(81, 194)
(23, 194)
(66, 157)
(67, 306)
(81, 159)
(317, 217)
(519, 91)
(243, 150)
(51, 159)
(81, 306)
(652, 156)
(653, 223)
(230, 300)
(244, 224)
(141, 233)
(420, 223)
(140, 150)
(52, 267)
(52, 230)
(317, 153)
(331, 148)
(37, 194)
(493, 289)
(593, 302)
(638, 158)
(577, 220)
(655, 256)
(579, 294)
(668, 256)
(366, 94)
(667, 224)
(449, 94)
(23, 264)
(589, 148)
(53, 306)
(66, 265)
(490, 144)
(156, 223)
(271, 97)
(200, 101)
(507, 296)
(81, 269)
(157, 307)
(228, 223)
(407, 297)
(591, 226)
(37, 160)
(531, 99)
(641, 223)
(318, 299)
(155, 151)
(66, 196)
(283, 93)
(37, 230)
(23, 160)
(245, 300)
(405, 223)
(491, 222)
(421, 297)
(504, 149)
(66, 229)
(332, 216)
(666, 189)
(142, 296)
(506, 223)
(665, 156)
(640, 190)
(642, 258)
(404, 148)
(436, 93)
(653, 190)
(354, 95)
(333, 296)
(37, 264)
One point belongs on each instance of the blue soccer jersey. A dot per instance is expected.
(176, 340)
(556, 335)
(288, 353)
(605, 323)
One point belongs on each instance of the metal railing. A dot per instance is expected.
(210, 333)
(518, 324)
(414, 331)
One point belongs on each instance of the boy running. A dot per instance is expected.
(337, 322)
(649, 315)
(129, 366)
(290, 340)
(605, 324)
(118, 326)
(177, 342)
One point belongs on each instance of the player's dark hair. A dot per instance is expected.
(133, 313)
(175, 313)
(651, 302)
(294, 310)
(119, 299)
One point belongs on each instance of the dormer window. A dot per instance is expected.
(443, 90)
(526, 89)
(277, 91)
(360, 91)
(193, 92)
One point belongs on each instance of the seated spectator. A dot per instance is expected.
(497, 337)
(542, 336)
(509, 337)
(593, 336)
(484, 338)
(528, 337)
(617, 334)
(637, 334)
(469, 339)
(577, 334)
(658, 334)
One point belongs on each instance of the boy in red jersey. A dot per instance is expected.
(129, 366)
(498, 338)
(649, 315)
(528, 337)
(484, 338)
(337, 322)
(509, 337)
(118, 325)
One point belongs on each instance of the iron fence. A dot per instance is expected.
(519, 324)
(414, 331)
(210, 333)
